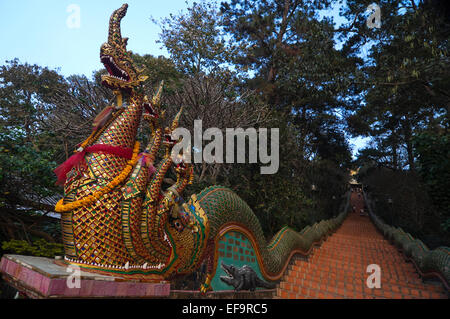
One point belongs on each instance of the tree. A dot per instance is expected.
(406, 73)
(433, 147)
(22, 87)
(405, 112)
(210, 100)
(194, 40)
(293, 61)
(159, 69)
(26, 153)
(206, 88)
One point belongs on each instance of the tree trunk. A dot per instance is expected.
(395, 155)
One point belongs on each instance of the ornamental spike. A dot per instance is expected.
(191, 175)
(157, 97)
(115, 35)
(176, 120)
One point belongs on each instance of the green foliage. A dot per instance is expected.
(405, 85)
(39, 248)
(158, 69)
(405, 76)
(23, 169)
(26, 153)
(42, 117)
(433, 149)
(291, 76)
(194, 40)
(401, 200)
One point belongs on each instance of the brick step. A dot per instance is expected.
(359, 264)
(287, 292)
(304, 286)
(331, 263)
(357, 282)
(346, 237)
(310, 293)
(340, 239)
(358, 253)
(350, 273)
(359, 250)
(306, 294)
(350, 234)
(427, 291)
(362, 241)
(337, 269)
(330, 247)
(359, 247)
(357, 260)
(353, 227)
(332, 285)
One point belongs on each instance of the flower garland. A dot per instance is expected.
(62, 170)
(61, 208)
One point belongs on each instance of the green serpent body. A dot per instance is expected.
(225, 209)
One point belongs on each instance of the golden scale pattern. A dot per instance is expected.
(131, 215)
(97, 229)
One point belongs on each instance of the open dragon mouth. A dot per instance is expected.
(150, 111)
(113, 69)
(169, 140)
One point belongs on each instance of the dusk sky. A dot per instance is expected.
(38, 32)
(43, 32)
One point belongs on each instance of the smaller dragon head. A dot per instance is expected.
(122, 73)
(184, 171)
(168, 140)
(152, 109)
(188, 231)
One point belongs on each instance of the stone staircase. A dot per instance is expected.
(338, 268)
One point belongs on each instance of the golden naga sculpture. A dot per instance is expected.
(117, 219)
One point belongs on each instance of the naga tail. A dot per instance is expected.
(264, 284)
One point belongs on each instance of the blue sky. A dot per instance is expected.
(37, 32)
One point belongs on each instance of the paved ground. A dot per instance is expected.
(338, 268)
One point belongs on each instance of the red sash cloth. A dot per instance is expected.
(62, 170)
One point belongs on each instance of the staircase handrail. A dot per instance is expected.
(429, 263)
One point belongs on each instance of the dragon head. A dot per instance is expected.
(122, 73)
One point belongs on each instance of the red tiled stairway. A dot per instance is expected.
(337, 269)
